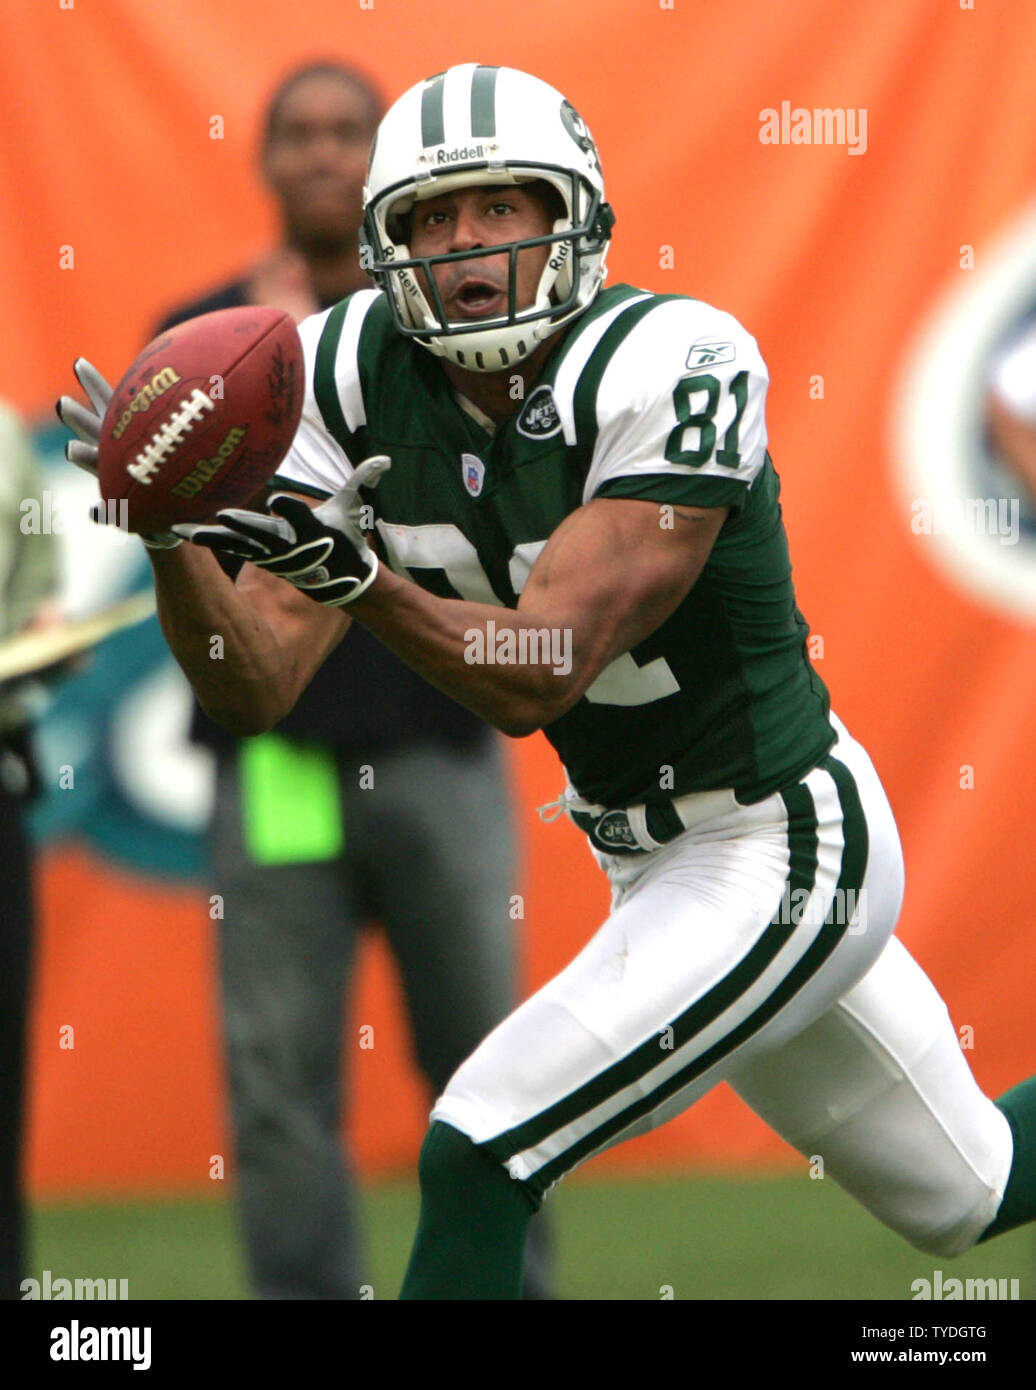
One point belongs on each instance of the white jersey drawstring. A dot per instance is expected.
(568, 800)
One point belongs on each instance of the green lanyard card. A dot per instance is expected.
(291, 808)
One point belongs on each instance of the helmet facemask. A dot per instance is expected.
(574, 269)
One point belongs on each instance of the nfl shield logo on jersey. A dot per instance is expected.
(474, 471)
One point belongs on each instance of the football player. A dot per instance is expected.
(555, 501)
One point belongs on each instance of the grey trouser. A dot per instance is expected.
(429, 856)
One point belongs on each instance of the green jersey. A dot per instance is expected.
(657, 397)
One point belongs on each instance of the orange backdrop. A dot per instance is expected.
(833, 261)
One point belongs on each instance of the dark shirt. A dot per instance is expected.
(363, 697)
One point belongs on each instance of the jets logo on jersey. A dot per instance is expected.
(704, 355)
(474, 472)
(614, 829)
(539, 418)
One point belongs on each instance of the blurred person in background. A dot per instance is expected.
(367, 803)
(28, 578)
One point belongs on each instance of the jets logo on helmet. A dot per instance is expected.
(466, 127)
(576, 127)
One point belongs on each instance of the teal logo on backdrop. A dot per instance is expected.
(138, 792)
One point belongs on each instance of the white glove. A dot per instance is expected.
(321, 550)
(344, 510)
(86, 425)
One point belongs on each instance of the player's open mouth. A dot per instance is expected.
(476, 299)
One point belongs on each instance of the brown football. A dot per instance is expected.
(203, 417)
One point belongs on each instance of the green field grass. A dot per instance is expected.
(701, 1237)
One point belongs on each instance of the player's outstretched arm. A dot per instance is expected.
(608, 577)
(248, 649)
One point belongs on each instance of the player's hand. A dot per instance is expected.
(323, 551)
(85, 423)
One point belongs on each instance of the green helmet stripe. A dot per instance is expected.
(483, 103)
(433, 130)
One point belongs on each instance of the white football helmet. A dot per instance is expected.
(473, 125)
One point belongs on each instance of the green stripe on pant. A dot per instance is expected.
(802, 842)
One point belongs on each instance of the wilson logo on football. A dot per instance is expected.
(145, 398)
(206, 469)
(539, 418)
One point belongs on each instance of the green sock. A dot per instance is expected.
(1019, 1202)
(470, 1240)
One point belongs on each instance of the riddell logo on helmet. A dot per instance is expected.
(461, 152)
(557, 261)
(409, 283)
